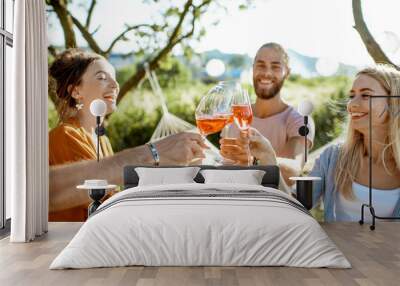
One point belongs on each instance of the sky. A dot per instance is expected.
(318, 28)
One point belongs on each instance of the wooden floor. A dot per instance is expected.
(375, 257)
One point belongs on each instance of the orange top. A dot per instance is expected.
(69, 142)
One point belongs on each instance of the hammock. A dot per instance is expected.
(170, 124)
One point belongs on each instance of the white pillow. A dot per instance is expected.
(166, 176)
(248, 177)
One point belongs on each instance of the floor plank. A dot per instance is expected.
(374, 255)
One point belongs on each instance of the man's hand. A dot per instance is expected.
(181, 148)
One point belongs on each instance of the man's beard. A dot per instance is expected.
(267, 93)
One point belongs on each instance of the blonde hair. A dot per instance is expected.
(353, 149)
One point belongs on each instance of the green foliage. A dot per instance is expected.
(237, 61)
(52, 115)
(123, 74)
(318, 213)
(328, 95)
(139, 112)
(329, 119)
(172, 73)
(130, 128)
(184, 111)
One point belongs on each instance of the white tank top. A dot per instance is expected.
(383, 201)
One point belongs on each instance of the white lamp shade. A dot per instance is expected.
(305, 108)
(98, 107)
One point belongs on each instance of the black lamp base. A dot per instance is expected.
(96, 195)
(304, 191)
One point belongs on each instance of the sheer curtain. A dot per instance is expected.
(26, 121)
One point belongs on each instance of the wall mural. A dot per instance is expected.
(161, 83)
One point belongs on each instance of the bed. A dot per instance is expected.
(201, 224)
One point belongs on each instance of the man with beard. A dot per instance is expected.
(273, 118)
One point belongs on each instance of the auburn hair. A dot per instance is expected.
(65, 73)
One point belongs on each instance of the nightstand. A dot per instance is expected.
(97, 190)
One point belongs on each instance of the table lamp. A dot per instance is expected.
(305, 108)
(98, 108)
(304, 185)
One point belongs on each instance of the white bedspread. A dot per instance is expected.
(183, 231)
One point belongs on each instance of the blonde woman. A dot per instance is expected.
(344, 168)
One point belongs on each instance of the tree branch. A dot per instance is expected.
(176, 36)
(188, 34)
(88, 37)
(52, 50)
(122, 35)
(95, 30)
(60, 7)
(134, 80)
(374, 50)
(89, 15)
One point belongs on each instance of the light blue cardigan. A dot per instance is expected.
(324, 167)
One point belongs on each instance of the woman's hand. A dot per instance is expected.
(181, 149)
(251, 141)
(236, 150)
(261, 148)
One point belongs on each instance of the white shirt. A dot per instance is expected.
(383, 201)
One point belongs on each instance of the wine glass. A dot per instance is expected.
(214, 110)
(241, 110)
(242, 114)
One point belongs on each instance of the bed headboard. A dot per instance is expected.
(270, 179)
